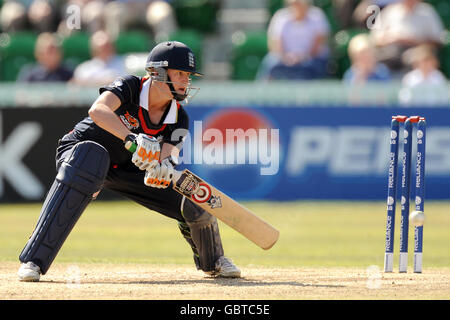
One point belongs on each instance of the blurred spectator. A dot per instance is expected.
(364, 66)
(404, 25)
(42, 16)
(104, 66)
(92, 14)
(49, 68)
(13, 16)
(160, 17)
(36, 15)
(425, 84)
(125, 14)
(120, 15)
(116, 16)
(297, 41)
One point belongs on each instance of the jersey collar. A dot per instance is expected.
(172, 115)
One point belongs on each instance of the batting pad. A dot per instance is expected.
(80, 175)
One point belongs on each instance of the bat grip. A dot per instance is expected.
(176, 173)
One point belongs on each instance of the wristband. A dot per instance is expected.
(130, 142)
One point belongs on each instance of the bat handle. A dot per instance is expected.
(176, 173)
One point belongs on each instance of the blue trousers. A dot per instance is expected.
(272, 68)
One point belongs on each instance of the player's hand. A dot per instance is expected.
(159, 176)
(147, 152)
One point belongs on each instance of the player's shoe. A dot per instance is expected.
(29, 272)
(225, 268)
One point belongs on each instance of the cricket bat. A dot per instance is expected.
(223, 207)
(226, 209)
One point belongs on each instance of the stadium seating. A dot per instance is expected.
(133, 41)
(274, 5)
(76, 48)
(195, 19)
(199, 15)
(16, 50)
(248, 49)
(328, 9)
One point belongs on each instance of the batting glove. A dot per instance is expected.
(159, 176)
(147, 152)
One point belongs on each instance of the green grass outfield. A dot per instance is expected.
(322, 234)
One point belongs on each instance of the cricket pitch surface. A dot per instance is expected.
(96, 281)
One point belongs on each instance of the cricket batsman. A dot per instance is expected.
(132, 111)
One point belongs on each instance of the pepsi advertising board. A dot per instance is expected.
(249, 152)
(296, 153)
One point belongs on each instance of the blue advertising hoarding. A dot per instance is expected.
(288, 153)
(324, 152)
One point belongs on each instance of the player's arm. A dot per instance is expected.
(102, 113)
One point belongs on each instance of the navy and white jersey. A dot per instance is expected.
(133, 112)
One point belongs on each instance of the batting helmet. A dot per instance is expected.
(173, 55)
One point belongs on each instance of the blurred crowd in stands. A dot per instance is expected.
(53, 21)
(399, 43)
(379, 40)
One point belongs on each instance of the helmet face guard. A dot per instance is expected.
(172, 55)
(160, 75)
